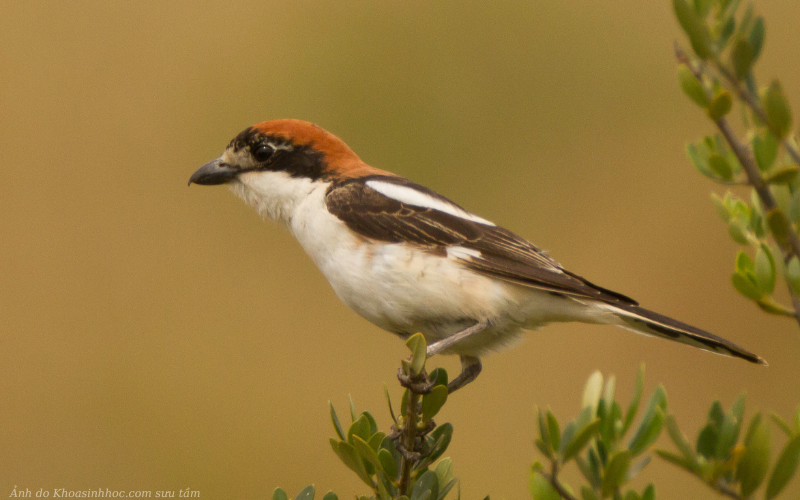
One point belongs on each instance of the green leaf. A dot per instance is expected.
(769, 305)
(553, 430)
(786, 174)
(680, 461)
(616, 470)
(279, 494)
(352, 409)
(783, 196)
(591, 475)
(725, 32)
(433, 402)
(649, 493)
(728, 434)
(336, 425)
(737, 228)
(744, 264)
(779, 114)
(633, 408)
(698, 155)
(365, 451)
(754, 464)
(679, 439)
(541, 489)
(691, 86)
(778, 224)
(427, 486)
(610, 390)
(444, 472)
(702, 7)
(360, 428)
(388, 402)
(720, 104)
(416, 343)
(765, 270)
(721, 208)
(542, 446)
(694, 27)
(581, 439)
(707, 441)
(794, 207)
(546, 446)
(637, 467)
(592, 391)
(765, 149)
(438, 376)
(782, 424)
(347, 454)
(588, 493)
(444, 490)
(566, 437)
(647, 433)
(585, 416)
(720, 166)
(330, 496)
(742, 57)
(306, 494)
(785, 468)
(441, 436)
(745, 286)
(756, 36)
(388, 463)
(384, 487)
(594, 466)
(376, 440)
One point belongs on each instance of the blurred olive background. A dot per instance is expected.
(159, 337)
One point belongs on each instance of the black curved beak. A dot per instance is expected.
(212, 173)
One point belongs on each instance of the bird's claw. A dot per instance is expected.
(418, 384)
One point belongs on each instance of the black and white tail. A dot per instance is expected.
(641, 320)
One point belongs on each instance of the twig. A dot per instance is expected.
(755, 105)
(552, 478)
(408, 441)
(745, 157)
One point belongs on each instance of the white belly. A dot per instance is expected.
(406, 291)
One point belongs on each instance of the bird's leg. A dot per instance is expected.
(470, 365)
(470, 369)
(443, 344)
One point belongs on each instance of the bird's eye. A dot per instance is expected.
(263, 153)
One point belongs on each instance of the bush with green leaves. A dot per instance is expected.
(401, 464)
(765, 157)
(597, 442)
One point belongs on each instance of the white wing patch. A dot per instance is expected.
(463, 253)
(411, 196)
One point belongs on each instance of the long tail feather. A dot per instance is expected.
(647, 322)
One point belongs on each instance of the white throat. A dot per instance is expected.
(274, 194)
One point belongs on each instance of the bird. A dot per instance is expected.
(410, 260)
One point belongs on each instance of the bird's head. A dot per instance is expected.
(273, 165)
(295, 148)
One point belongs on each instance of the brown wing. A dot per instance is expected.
(495, 251)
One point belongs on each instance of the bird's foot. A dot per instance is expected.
(470, 369)
(418, 384)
